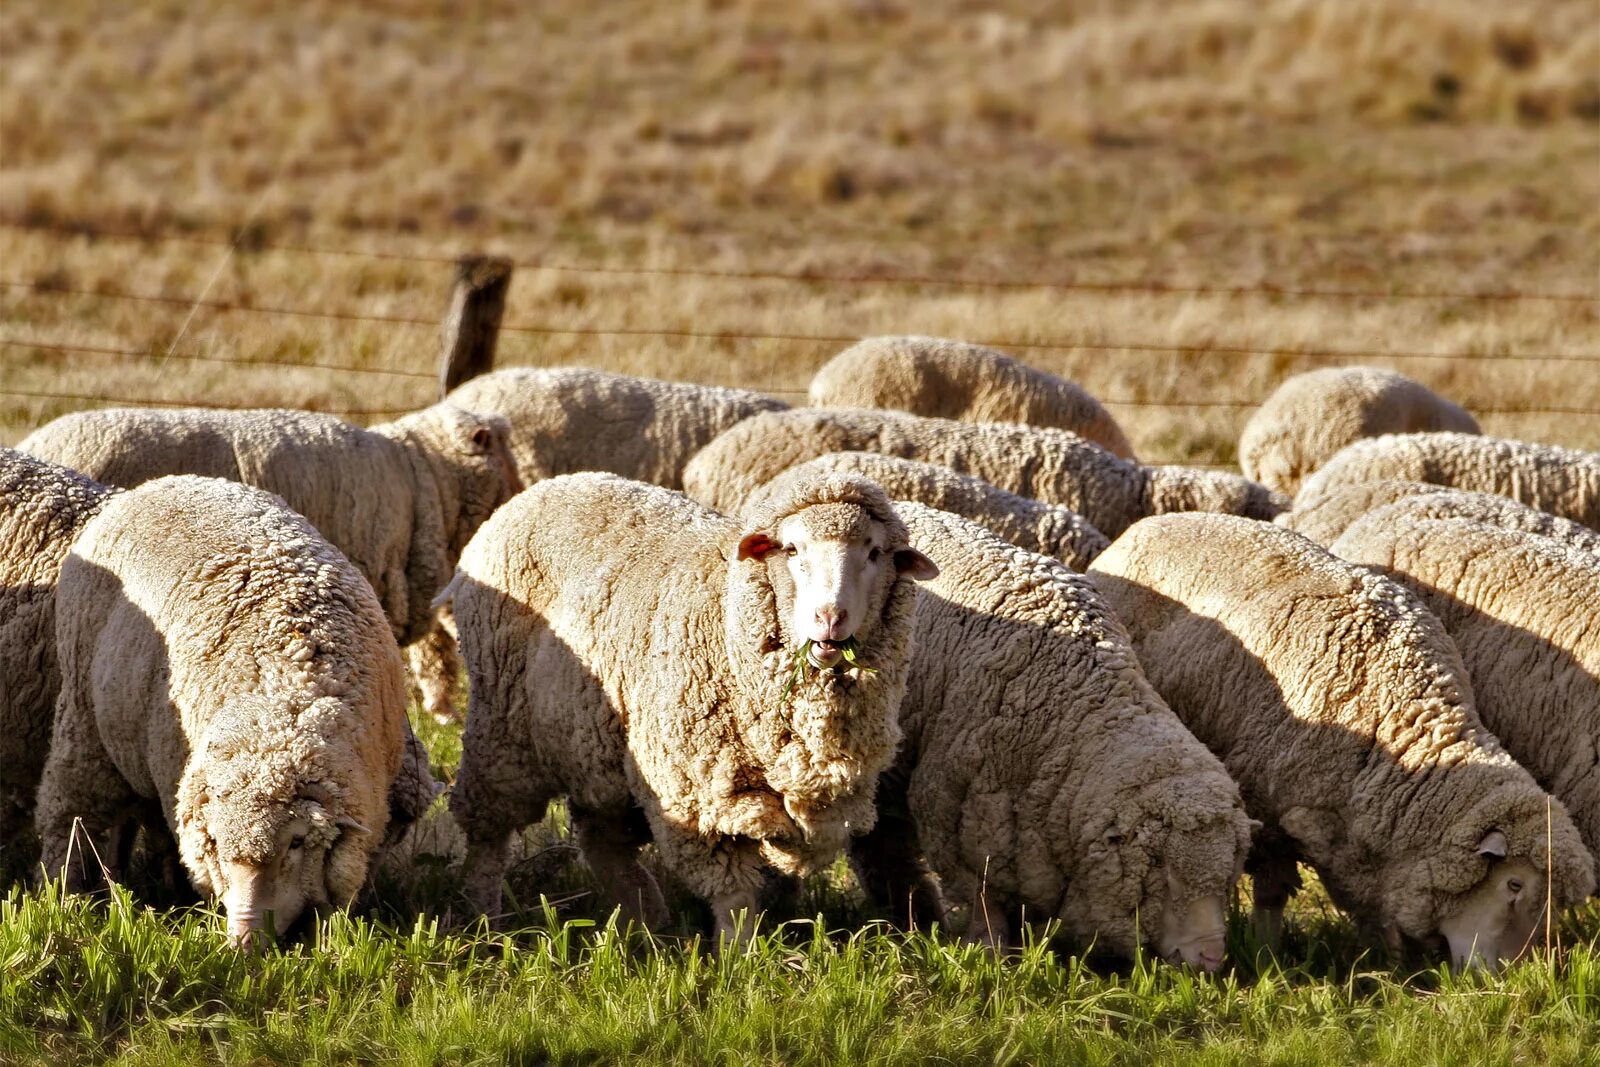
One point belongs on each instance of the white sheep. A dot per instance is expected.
(1343, 710)
(1560, 481)
(1053, 466)
(1040, 773)
(226, 672)
(1050, 529)
(632, 651)
(1524, 611)
(569, 419)
(42, 509)
(1335, 511)
(956, 380)
(1311, 416)
(400, 499)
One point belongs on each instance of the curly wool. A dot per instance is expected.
(400, 499)
(42, 509)
(1525, 613)
(1039, 767)
(1053, 466)
(1337, 510)
(1561, 481)
(1311, 416)
(222, 660)
(1049, 529)
(956, 380)
(569, 419)
(623, 657)
(1341, 707)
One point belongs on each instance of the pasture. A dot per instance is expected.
(1174, 205)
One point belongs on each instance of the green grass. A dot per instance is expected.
(408, 981)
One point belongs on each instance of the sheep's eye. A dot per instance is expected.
(872, 557)
(298, 841)
(790, 550)
(1514, 884)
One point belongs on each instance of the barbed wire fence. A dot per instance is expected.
(474, 320)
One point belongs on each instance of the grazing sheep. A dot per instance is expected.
(1040, 773)
(956, 380)
(1335, 511)
(42, 508)
(400, 499)
(569, 419)
(1311, 416)
(1525, 613)
(637, 653)
(1054, 466)
(1560, 481)
(1343, 711)
(1049, 529)
(225, 666)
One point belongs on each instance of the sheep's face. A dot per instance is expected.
(1497, 919)
(837, 565)
(1189, 889)
(267, 876)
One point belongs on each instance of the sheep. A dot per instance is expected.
(1524, 611)
(956, 380)
(1311, 416)
(1334, 511)
(1049, 529)
(635, 652)
(1561, 481)
(1053, 466)
(226, 672)
(400, 499)
(569, 419)
(42, 509)
(1039, 771)
(1343, 710)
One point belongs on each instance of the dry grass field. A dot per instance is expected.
(1444, 147)
(1176, 203)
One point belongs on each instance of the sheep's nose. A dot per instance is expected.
(832, 621)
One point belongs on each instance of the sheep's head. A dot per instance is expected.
(470, 454)
(1170, 489)
(833, 550)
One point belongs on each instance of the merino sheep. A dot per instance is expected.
(1525, 613)
(635, 652)
(957, 380)
(42, 509)
(1040, 773)
(1560, 481)
(1311, 416)
(224, 664)
(1343, 711)
(1054, 466)
(400, 499)
(1335, 511)
(1049, 529)
(569, 419)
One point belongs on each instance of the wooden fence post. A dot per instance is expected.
(472, 321)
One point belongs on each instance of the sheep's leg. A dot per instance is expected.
(988, 925)
(1276, 879)
(83, 800)
(889, 862)
(435, 663)
(485, 870)
(736, 913)
(611, 849)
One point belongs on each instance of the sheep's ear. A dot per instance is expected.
(914, 565)
(1493, 844)
(482, 439)
(345, 822)
(756, 545)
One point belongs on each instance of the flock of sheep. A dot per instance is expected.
(942, 621)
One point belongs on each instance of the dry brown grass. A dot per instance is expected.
(1450, 145)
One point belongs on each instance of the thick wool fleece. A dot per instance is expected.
(570, 419)
(1337, 510)
(1054, 466)
(1342, 709)
(1311, 416)
(400, 500)
(956, 380)
(42, 509)
(1560, 481)
(1038, 765)
(1525, 613)
(621, 656)
(1049, 529)
(221, 660)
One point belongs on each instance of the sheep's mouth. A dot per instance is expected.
(825, 654)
